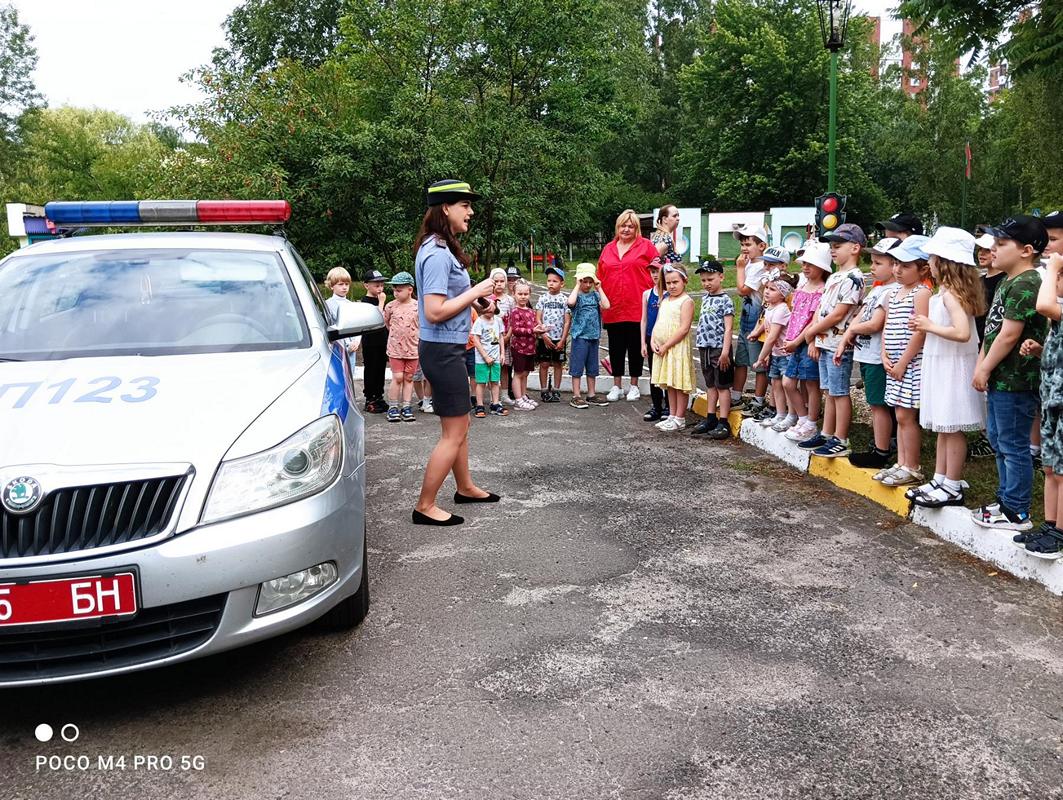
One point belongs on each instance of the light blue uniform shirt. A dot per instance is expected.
(437, 271)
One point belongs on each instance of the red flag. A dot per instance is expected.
(967, 158)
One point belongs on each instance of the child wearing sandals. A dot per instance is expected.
(949, 405)
(902, 357)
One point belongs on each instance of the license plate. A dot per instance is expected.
(68, 599)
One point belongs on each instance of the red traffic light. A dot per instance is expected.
(830, 204)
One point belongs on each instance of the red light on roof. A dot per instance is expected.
(238, 212)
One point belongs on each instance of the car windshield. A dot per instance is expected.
(146, 302)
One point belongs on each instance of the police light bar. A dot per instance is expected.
(168, 212)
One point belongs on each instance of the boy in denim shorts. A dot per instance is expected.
(752, 271)
(837, 307)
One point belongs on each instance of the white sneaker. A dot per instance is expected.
(770, 422)
(529, 401)
(633, 394)
(784, 425)
(614, 394)
(678, 423)
(426, 406)
(801, 431)
(669, 425)
(663, 424)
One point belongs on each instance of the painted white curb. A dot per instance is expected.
(775, 443)
(953, 524)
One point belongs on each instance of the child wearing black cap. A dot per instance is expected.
(712, 337)
(1010, 379)
(374, 346)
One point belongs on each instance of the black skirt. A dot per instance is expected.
(443, 366)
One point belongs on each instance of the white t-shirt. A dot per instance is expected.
(490, 333)
(778, 314)
(842, 288)
(756, 275)
(868, 347)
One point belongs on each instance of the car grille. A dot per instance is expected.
(81, 518)
(153, 634)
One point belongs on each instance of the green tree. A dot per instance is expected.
(18, 59)
(524, 102)
(85, 154)
(755, 100)
(1030, 36)
(262, 33)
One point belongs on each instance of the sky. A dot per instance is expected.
(129, 55)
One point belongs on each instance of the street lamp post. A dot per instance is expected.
(833, 20)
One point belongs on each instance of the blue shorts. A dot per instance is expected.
(800, 367)
(583, 358)
(835, 379)
(747, 353)
(777, 366)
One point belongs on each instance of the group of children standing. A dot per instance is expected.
(926, 362)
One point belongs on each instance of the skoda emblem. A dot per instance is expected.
(21, 495)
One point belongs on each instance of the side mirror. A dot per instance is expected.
(355, 319)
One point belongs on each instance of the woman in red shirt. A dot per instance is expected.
(623, 269)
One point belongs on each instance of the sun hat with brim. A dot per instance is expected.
(985, 241)
(401, 279)
(911, 249)
(954, 244)
(450, 191)
(586, 270)
(818, 255)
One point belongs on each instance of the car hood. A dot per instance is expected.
(132, 410)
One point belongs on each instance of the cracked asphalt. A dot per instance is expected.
(643, 616)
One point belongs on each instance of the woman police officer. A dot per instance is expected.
(446, 295)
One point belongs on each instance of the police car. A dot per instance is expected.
(182, 466)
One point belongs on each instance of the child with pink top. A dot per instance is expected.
(400, 317)
(773, 356)
(801, 376)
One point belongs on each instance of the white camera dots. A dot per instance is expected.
(68, 733)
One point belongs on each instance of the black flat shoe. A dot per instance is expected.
(462, 498)
(424, 519)
(652, 415)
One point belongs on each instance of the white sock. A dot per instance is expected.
(1035, 449)
(791, 418)
(803, 419)
(951, 485)
(758, 400)
(735, 396)
(939, 478)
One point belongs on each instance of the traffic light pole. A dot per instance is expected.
(832, 140)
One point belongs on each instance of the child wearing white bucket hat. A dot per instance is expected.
(949, 405)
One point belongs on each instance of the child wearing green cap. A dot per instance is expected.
(400, 317)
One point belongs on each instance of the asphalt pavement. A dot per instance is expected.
(642, 616)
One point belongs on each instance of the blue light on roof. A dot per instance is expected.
(95, 212)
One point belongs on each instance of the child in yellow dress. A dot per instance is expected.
(673, 363)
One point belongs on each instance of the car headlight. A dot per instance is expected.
(296, 468)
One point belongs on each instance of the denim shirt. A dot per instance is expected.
(438, 271)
